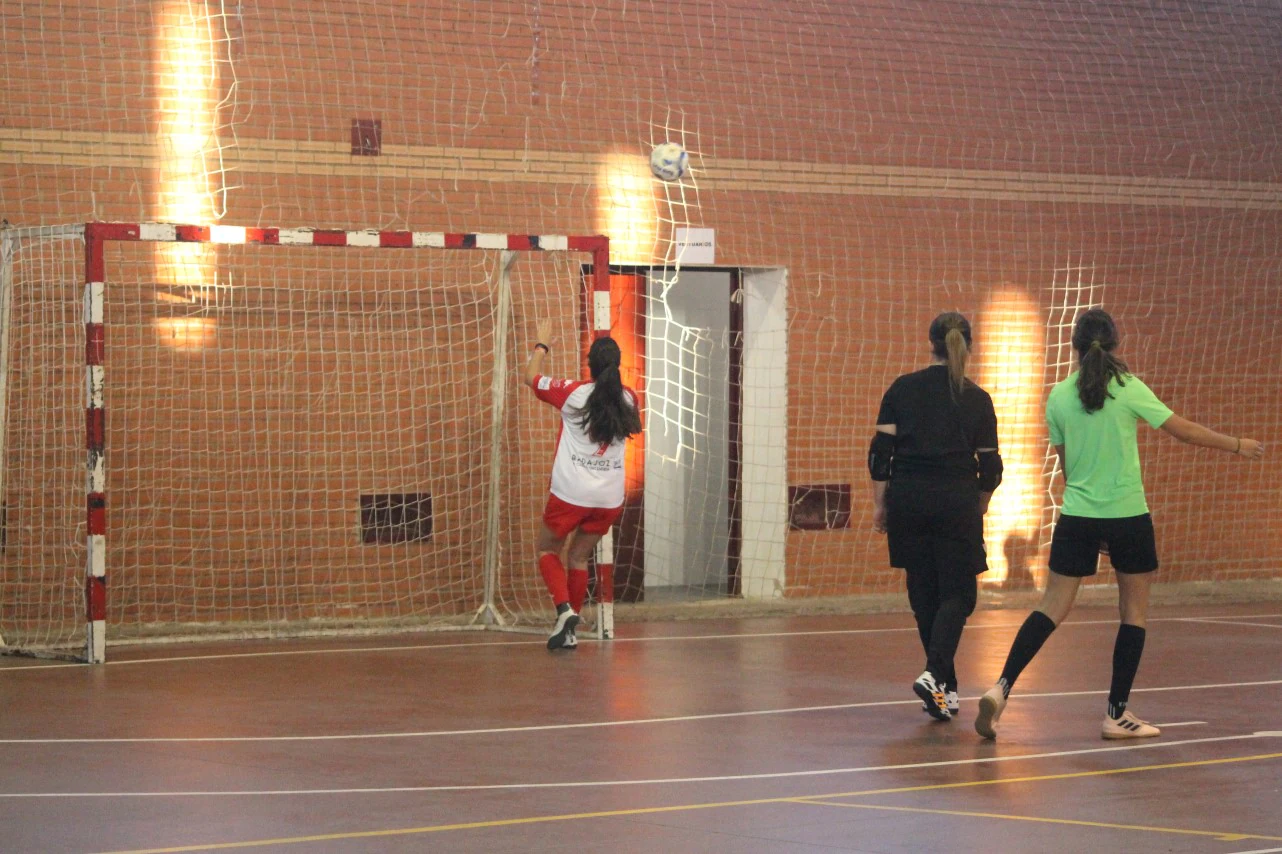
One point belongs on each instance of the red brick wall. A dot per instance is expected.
(898, 161)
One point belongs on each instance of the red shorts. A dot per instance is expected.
(561, 517)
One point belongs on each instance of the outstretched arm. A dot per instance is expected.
(534, 367)
(1192, 433)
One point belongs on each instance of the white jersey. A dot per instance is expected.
(584, 473)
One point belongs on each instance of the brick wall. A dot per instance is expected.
(898, 161)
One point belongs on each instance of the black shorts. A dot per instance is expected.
(1078, 541)
(935, 527)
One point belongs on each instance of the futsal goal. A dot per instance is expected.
(270, 431)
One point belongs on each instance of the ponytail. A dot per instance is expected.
(1094, 339)
(950, 340)
(958, 353)
(607, 417)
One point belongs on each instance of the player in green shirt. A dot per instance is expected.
(1092, 418)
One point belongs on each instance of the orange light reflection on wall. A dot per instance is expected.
(186, 333)
(1011, 356)
(627, 301)
(626, 209)
(186, 84)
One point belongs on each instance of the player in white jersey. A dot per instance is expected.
(586, 497)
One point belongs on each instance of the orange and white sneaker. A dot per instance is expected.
(991, 706)
(1128, 726)
(932, 695)
(953, 701)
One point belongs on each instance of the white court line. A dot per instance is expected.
(602, 724)
(1259, 851)
(272, 654)
(1181, 723)
(1215, 621)
(617, 640)
(587, 784)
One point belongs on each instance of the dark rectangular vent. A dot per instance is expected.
(367, 137)
(819, 507)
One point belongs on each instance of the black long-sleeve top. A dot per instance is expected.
(937, 433)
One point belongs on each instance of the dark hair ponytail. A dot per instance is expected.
(1094, 339)
(950, 340)
(607, 417)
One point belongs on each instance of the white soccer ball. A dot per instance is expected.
(669, 162)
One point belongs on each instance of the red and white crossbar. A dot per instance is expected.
(97, 234)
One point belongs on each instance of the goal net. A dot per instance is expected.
(305, 431)
(862, 171)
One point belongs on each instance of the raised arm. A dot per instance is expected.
(1192, 433)
(534, 367)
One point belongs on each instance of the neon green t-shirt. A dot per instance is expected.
(1100, 452)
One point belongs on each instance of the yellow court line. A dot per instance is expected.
(1222, 836)
(508, 822)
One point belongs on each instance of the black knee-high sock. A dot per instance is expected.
(1036, 629)
(1127, 650)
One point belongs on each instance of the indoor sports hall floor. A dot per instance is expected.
(791, 735)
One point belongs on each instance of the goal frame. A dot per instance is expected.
(98, 234)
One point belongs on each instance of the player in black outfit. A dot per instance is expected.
(934, 463)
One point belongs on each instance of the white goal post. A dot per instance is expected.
(322, 429)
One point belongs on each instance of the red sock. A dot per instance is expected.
(554, 577)
(578, 585)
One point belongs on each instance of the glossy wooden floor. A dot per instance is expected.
(796, 735)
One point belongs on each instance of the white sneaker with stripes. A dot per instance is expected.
(1128, 726)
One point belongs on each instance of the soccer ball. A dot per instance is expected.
(669, 162)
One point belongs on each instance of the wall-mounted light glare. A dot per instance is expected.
(1011, 359)
(626, 210)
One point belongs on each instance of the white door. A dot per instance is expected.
(687, 443)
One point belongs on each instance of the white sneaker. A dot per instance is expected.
(1128, 726)
(932, 695)
(571, 640)
(991, 706)
(566, 622)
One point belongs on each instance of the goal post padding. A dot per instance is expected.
(293, 431)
